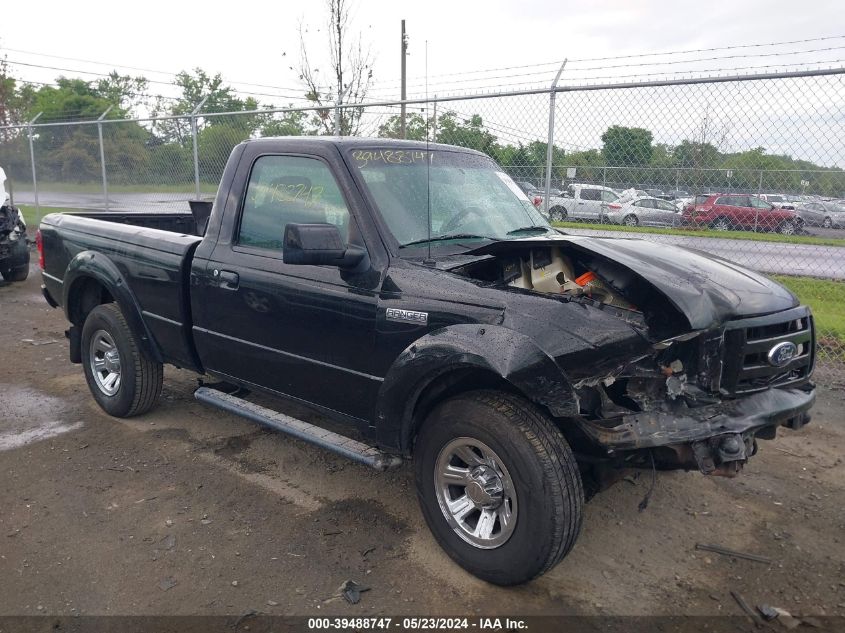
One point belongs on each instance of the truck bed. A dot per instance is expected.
(150, 251)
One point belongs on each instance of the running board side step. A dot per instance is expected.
(340, 444)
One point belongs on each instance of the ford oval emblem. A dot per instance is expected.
(782, 353)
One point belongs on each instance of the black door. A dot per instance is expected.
(304, 331)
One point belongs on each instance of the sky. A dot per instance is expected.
(257, 42)
(518, 45)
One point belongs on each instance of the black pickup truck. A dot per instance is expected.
(414, 294)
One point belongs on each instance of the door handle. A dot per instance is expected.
(226, 279)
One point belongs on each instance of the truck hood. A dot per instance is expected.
(706, 289)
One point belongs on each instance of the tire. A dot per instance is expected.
(721, 224)
(138, 384)
(630, 220)
(545, 494)
(557, 214)
(827, 223)
(787, 228)
(19, 273)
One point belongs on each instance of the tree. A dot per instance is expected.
(219, 97)
(123, 91)
(351, 70)
(627, 146)
(290, 124)
(589, 164)
(466, 132)
(416, 128)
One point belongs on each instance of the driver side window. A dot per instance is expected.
(285, 190)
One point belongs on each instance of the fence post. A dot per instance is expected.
(549, 146)
(194, 136)
(759, 191)
(32, 162)
(434, 122)
(103, 156)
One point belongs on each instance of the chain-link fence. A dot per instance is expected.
(746, 168)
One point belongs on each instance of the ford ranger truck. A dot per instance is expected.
(414, 295)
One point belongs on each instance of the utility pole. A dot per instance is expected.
(404, 54)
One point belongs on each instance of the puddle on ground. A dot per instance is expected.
(28, 415)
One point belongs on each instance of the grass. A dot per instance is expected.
(30, 215)
(826, 298)
(695, 232)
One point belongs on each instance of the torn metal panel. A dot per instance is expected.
(681, 424)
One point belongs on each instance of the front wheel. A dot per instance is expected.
(19, 273)
(787, 228)
(499, 486)
(122, 380)
(828, 223)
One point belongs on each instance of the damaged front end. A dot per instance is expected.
(703, 399)
(698, 399)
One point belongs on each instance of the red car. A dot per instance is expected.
(725, 212)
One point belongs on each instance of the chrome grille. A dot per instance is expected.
(747, 345)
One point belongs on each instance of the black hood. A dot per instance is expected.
(706, 289)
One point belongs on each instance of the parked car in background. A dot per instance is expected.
(829, 215)
(527, 187)
(643, 210)
(739, 212)
(655, 193)
(581, 202)
(777, 200)
(677, 193)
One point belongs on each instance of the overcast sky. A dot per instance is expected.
(521, 42)
(245, 40)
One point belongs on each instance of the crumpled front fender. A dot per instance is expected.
(509, 355)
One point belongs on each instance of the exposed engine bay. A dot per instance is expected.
(678, 397)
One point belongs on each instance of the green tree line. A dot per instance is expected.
(160, 151)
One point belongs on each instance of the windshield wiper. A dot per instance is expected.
(527, 229)
(450, 236)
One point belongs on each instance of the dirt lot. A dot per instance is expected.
(190, 511)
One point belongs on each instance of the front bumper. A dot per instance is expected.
(744, 415)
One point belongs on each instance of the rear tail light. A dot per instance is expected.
(39, 244)
(537, 201)
(614, 206)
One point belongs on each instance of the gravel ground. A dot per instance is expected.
(187, 510)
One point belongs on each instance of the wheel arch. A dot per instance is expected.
(92, 279)
(465, 358)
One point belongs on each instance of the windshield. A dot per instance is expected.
(470, 196)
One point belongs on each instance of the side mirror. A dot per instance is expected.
(320, 245)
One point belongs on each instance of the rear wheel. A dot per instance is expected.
(557, 214)
(481, 460)
(827, 223)
(631, 220)
(122, 380)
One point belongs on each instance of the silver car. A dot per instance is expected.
(645, 211)
(825, 214)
